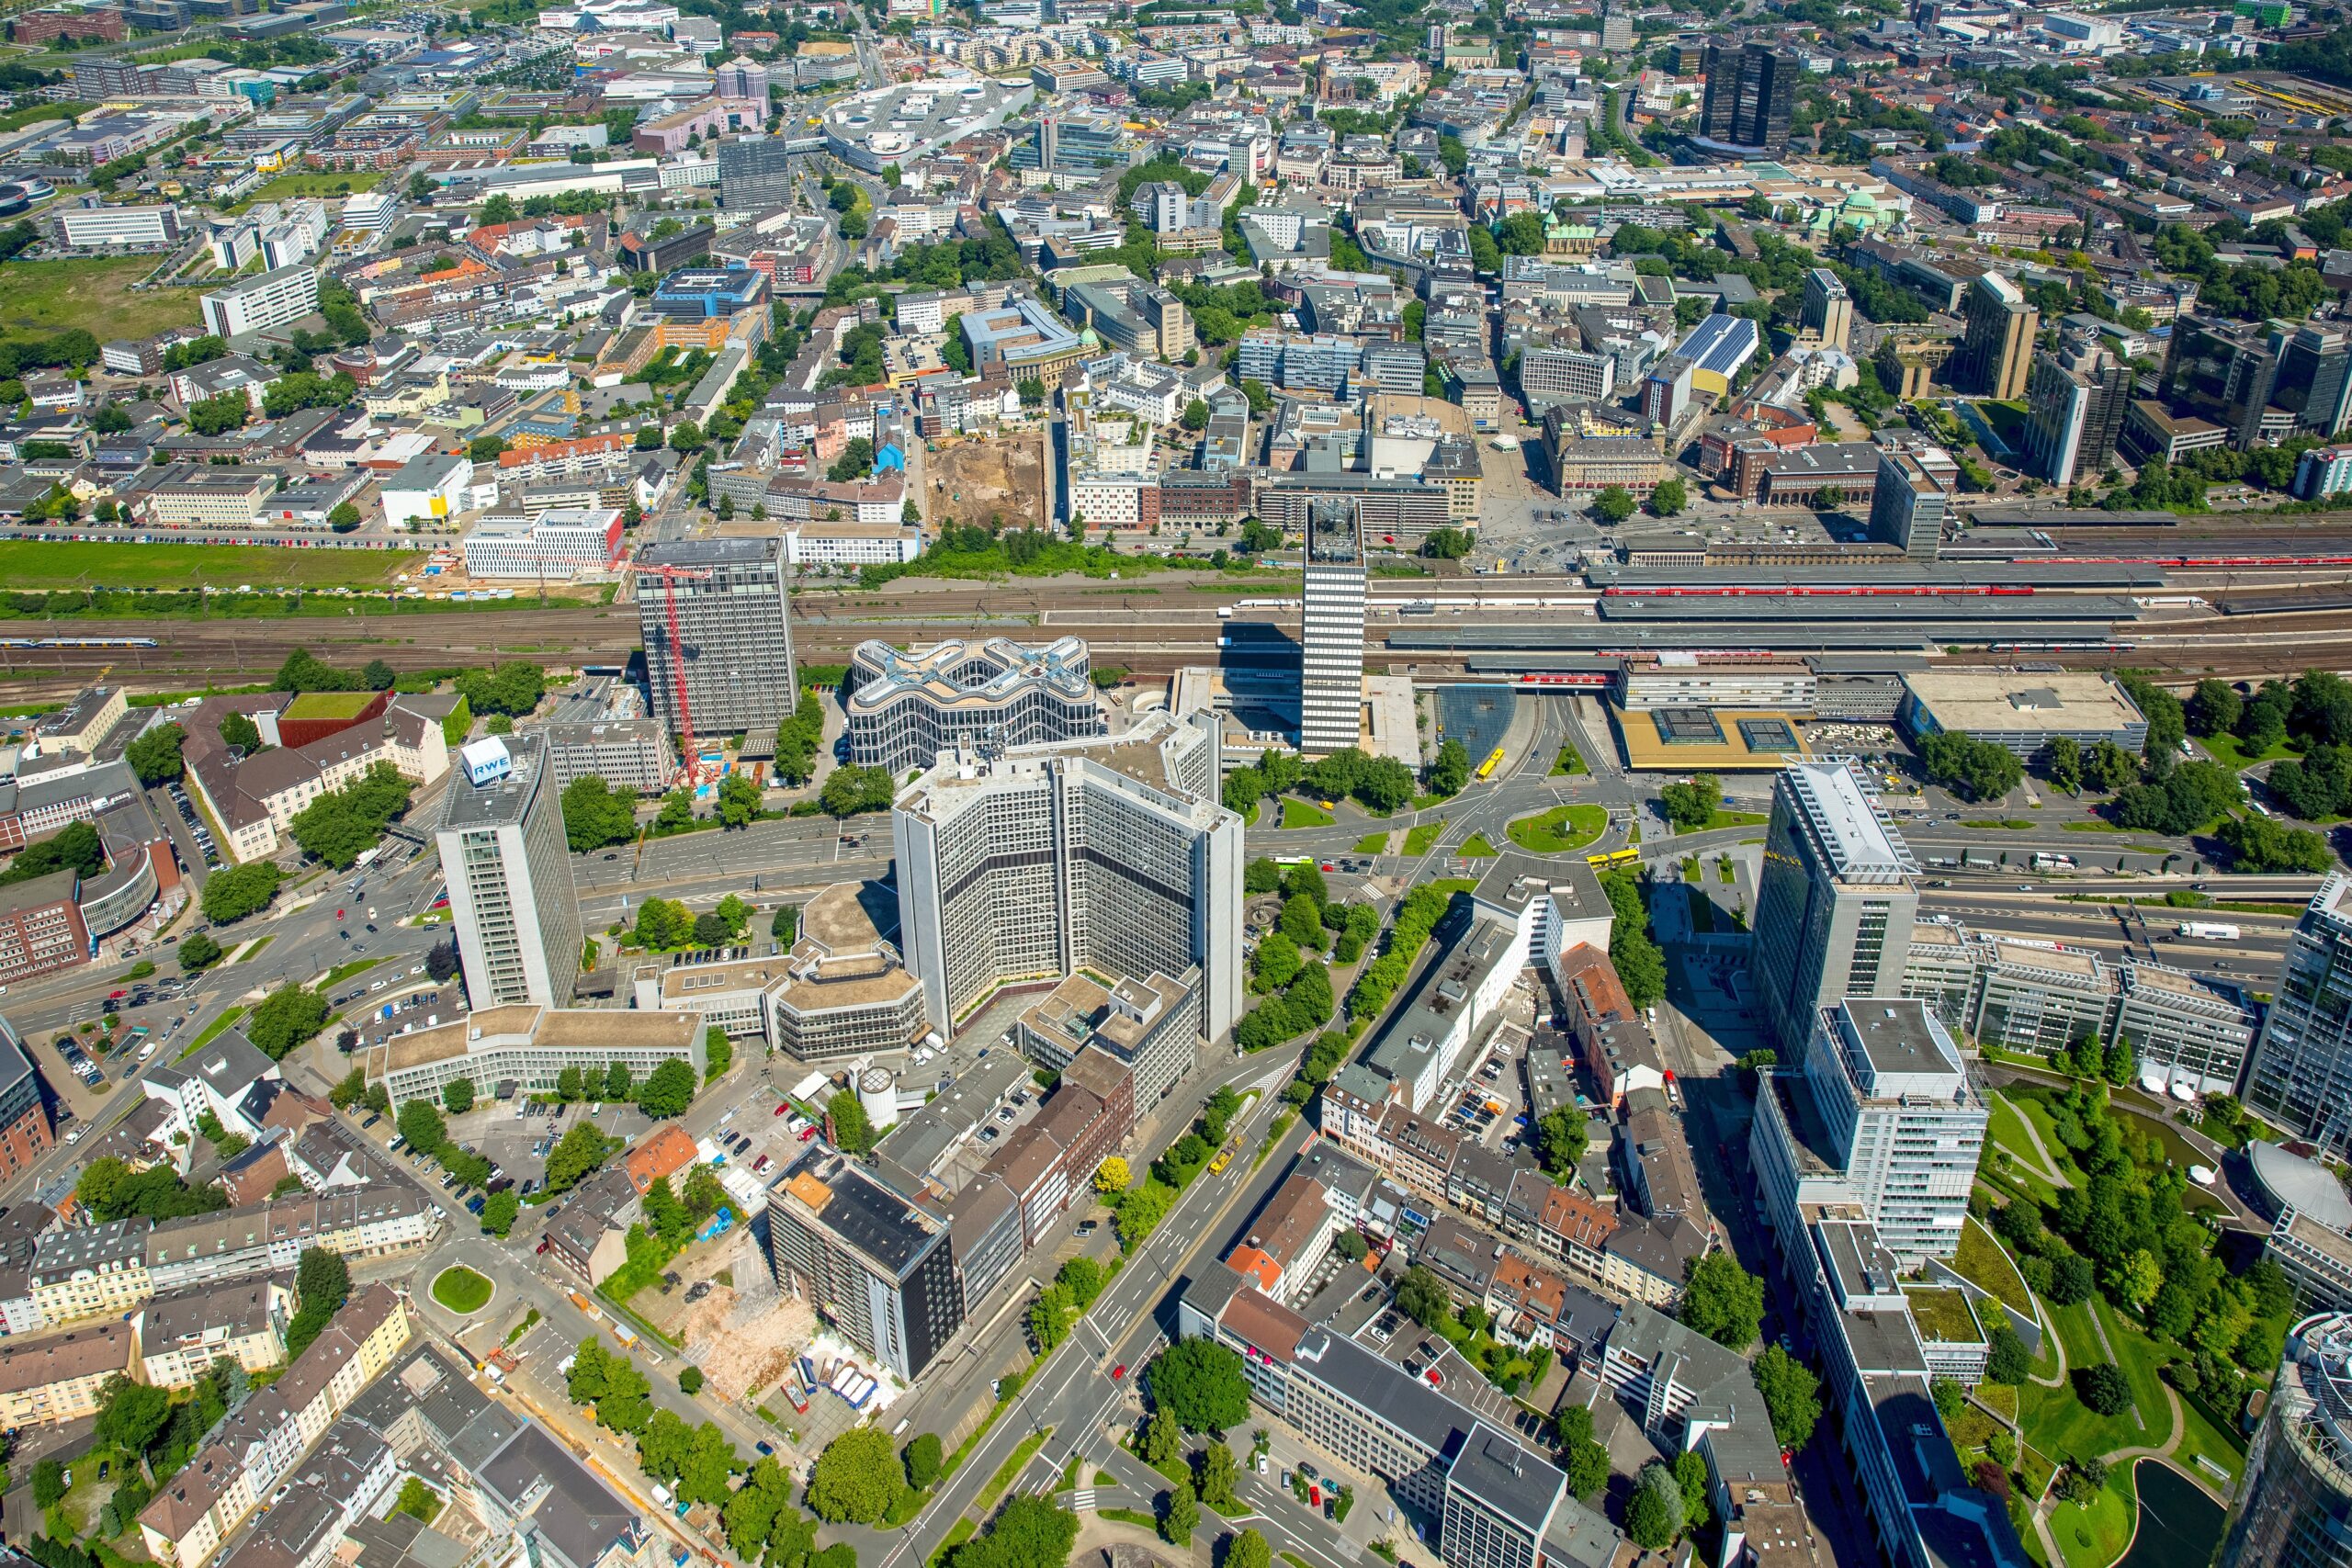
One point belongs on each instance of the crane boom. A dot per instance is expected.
(670, 576)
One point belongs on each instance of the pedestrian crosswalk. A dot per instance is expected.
(1082, 1500)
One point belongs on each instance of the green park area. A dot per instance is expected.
(40, 298)
(461, 1289)
(286, 187)
(1560, 829)
(31, 566)
(1304, 814)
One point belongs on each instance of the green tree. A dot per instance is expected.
(739, 801)
(1181, 1516)
(1249, 1551)
(1560, 1141)
(595, 815)
(852, 1132)
(344, 824)
(154, 757)
(1217, 1473)
(1648, 1523)
(285, 1019)
(1722, 1301)
(1200, 1383)
(923, 1461)
(577, 1154)
(2104, 1388)
(237, 891)
(1792, 1395)
(131, 1414)
(422, 1125)
(1423, 1297)
(1691, 804)
(2062, 759)
(457, 1094)
(668, 1089)
(1613, 504)
(1669, 498)
(500, 1211)
(1450, 770)
(1196, 415)
(2010, 1362)
(198, 952)
(856, 1479)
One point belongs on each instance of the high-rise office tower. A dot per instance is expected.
(753, 172)
(1892, 1125)
(1330, 671)
(1834, 905)
(1828, 309)
(734, 625)
(2301, 1072)
(1751, 96)
(2295, 1505)
(1908, 506)
(2228, 374)
(1111, 854)
(2074, 404)
(1500, 1500)
(2314, 376)
(509, 874)
(879, 1269)
(1997, 343)
(1616, 27)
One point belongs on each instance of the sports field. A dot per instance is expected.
(31, 566)
(42, 296)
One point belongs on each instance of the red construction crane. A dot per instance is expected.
(692, 768)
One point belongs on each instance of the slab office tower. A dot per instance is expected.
(1995, 352)
(1330, 671)
(1828, 309)
(734, 631)
(880, 1269)
(754, 172)
(1907, 506)
(1751, 96)
(1112, 854)
(509, 874)
(2074, 404)
(2301, 1072)
(1835, 903)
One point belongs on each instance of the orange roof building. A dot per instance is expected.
(661, 1152)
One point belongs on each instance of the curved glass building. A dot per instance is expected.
(2295, 1508)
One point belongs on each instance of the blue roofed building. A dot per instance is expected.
(1716, 348)
(703, 293)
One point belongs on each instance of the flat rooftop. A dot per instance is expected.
(1982, 701)
(1861, 844)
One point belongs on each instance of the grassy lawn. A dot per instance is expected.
(2232, 752)
(2200, 1436)
(329, 705)
(1477, 846)
(1560, 829)
(342, 972)
(1982, 1263)
(2140, 1357)
(1719, 818)
(1372, 844)
(45, 296)
(217, 1026)
(2064, 1428)
(2014, 824)
(1944, 1317)
(288, 186)
(1304, 814)
(461, 1289)
(2095, 1537)
(31, 566)
(1419, 839)
(2075, 1332)
(1569, 762)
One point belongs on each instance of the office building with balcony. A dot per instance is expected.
(730, 604)
(1110, 854)
(905, 708)
(1836, 902)
(509, 873)
(2295, 1504)
(1995, 352)
(875, 1266)
(2301, 1076)
(258, 303)
(1908, 505)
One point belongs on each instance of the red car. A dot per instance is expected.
(1118, 1371)
(807, 1134)
(782, 1108)
(338, 914)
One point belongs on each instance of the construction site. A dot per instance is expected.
(967, 479)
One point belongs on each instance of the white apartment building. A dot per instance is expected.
(258, 303)
(91, 227)
(561, 543)
(1882, 1116)
(1111, 854)
(821, 544)
(532, 1046)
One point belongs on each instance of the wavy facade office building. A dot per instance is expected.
(1111, 854)
(2295, 1508)
(905, 708)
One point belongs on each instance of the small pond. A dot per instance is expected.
(2180, 1527)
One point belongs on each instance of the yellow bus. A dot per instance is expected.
(1487, 769)
(1613, 857)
